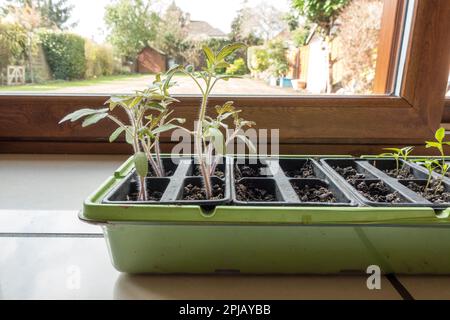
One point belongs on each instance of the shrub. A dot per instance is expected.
(238, 67)
(13, 45)
(300, 35)
(277, 58)
(99, 60)
(258, 59)
(65, 54)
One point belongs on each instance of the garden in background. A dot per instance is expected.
(315, 47)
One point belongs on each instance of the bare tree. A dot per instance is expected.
(264, 21)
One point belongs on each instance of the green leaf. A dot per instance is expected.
(217, 139)
(157, 78)
(145, 132)
(173, 70)
(116, 134)
(93, 119)
(141, 164)
(135, 102)
(432, 144)
(384, 155)
(164, 128)
(392, 149)
(228, 50)
(222, 65)
(440, 134)
(77, 115)
(249, 143)
(129, 136)
(115, 101)
(210, 56)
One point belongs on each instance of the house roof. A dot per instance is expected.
(203, 30)
(152, 48)
(311, 34)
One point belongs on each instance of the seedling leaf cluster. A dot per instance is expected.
(436, 167)
(149, 115)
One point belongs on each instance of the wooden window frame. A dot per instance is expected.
(308, 124)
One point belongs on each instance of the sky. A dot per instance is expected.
(219, 13)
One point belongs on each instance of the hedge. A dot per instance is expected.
(99, 60)
(65, 54)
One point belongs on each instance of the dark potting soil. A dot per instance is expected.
(245, 171)
(306, 172)
(402, 174)
(151, 196)
(350, 174)
(377, 192)
(196, 193)
(314, 194)
(250, 193)
(218, 173)
(435, 193)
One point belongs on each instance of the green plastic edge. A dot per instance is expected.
(96, 212)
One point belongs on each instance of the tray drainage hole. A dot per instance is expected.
(208, 211)
(441, 214)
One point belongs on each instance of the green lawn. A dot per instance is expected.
(61, 84)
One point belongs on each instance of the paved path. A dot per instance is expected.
(185, 86)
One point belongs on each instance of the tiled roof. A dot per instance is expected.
(202, 29)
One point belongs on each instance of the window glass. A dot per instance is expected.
(117, 46)
(448, 86)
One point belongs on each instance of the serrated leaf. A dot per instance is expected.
(116, 134)
(227, 107)
(141, 164)
(93, 119)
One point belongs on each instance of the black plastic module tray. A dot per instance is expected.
(172, 187)
(273, 175)
(373, 171)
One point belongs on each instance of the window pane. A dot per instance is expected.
(117, 46)
(448, 86)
